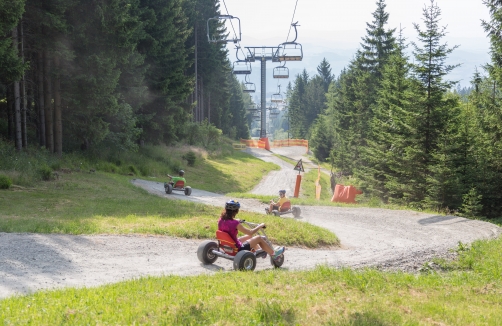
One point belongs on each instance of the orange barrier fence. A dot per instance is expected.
(290, 142)
(263, 143)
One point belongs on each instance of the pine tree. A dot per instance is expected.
(378, 43)
(433, 109)
(385, 171)
(324, 71)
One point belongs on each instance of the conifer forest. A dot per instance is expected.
(82, 74)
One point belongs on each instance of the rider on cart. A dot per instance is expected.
(181, 173)
(277, 205)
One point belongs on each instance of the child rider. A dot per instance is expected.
(227, 223)
(277, 205)
(181, 173)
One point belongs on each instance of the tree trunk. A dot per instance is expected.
(41, 104)
(10, 111)
(23, 93)
(17, 98)
(49, 121)
(58, 126)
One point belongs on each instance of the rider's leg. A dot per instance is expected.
(258, 241)
(245, 238)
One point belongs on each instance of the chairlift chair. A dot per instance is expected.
(276, 98)
(249, 87)
(215, 22)
(290, 51)
(281, 71)
(241, 67)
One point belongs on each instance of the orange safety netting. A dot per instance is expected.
(264, 143)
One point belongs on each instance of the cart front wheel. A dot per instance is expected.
(245, 261)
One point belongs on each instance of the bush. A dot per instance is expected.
(190, 157)
(107, 167)
(5, 182)
(132, 169)
(45, 173)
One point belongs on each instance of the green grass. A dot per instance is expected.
(470, 294)
(239, 172)
(94, 203)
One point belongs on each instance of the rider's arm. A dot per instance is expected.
(247, 231)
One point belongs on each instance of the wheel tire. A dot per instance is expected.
(169, 188)
(296, 212)
(245, 261)
(276, 213)
(188, 191)
(277, 263)
(266, 210)
(204, 252)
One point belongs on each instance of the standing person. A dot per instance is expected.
(227, 223)
(181, 174)
(277, 205)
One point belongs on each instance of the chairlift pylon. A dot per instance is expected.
(290, 51)
(281, 71)
(212, 25)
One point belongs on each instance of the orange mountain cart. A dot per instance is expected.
(225, 247)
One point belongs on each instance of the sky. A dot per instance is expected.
(333, 29)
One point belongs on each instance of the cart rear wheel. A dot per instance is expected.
(205, 252)
(245, 261)
(296, 212)
(276, 213)
(169, 188)
(277, 262)
(188, 191)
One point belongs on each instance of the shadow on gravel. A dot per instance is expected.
(439, 219)
(24, 259)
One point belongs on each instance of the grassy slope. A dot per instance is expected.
(88, 203)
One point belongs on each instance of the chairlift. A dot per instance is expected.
(290, 51)
(277, 97)
(213, 25)
(281, 71)
(241, 67)
(249, 87)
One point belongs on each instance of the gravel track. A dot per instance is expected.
(386, 239)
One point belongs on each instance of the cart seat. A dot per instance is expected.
(179, 184)
(226, 243)
(285, 207)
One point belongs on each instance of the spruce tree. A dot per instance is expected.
(385, 171)
(433, 111)
(378, 43)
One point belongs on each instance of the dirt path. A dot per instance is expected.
(392, 240)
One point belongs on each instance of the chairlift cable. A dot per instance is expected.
(232, 24)
(292, 19)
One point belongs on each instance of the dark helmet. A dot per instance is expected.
(282, 192)
(232, 205)
(181, 173)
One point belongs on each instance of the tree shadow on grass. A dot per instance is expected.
(363, 319)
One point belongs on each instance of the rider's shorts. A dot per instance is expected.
(245, 246)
